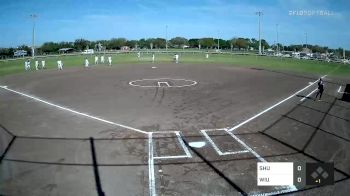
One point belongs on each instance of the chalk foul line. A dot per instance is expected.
(73, 111)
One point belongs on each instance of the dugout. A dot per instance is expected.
(346, 94)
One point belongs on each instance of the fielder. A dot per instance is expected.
(86, 62)
(110, 60)
(153, 57)
(102, 59)
(42, 64)
(36, 65)
(206, 55)
(27, 65)
(59, 64)
(139, 55)
(96, 60)
(176, 58)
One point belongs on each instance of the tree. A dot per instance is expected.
(294, 48)
(150, 43)
(142, 43)
(178, 42)
(193, 43)
(81, 44)
(222, 44)
(241, 43)
(6, 52)
(66, 45)
(131, 43)
(25, 48)
(264, 44)
(116, 43)
(254, 44)
(50, 47)
(207, 42)
(103, 43)
(159, 43)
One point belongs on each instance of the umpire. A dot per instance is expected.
(320, 89)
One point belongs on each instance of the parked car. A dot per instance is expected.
(88, 51)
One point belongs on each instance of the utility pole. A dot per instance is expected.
(277, 37)
(33, 16)
(218, 42)
(259, 13)
(166, 37)
(305, 39)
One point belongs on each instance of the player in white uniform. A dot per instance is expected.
(110, 60)
(59, 64)
(36, 65)
(27, 65)
(153, 57)
(207, 55)
(96, 60)
(86, 62)
(43, 64)
(102, 59)
(176, 58)
(139, 55)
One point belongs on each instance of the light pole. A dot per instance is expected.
(33, 16)
(305, 39)
(218, 42)
(259, 13)
(166, 37)
(277, 37)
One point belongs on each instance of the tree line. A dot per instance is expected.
(161, 43)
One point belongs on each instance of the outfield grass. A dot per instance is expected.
(272, 63)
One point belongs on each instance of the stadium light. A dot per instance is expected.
(166, 37)
(259, 13)
(277, 37)
(218, 42)
(33, 16)
(305, 39)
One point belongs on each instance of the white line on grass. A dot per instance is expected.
(268, 109)
(312, 92)
(74, 111)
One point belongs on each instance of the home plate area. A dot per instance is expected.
(217, 163)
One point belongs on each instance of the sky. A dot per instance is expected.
(67, 20)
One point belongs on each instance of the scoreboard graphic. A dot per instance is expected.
(299, 174)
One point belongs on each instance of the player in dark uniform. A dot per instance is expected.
(320, 89)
